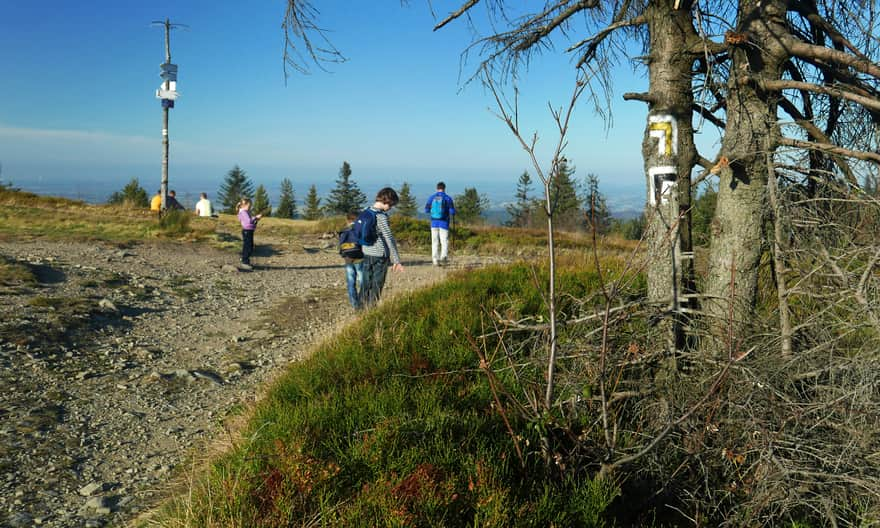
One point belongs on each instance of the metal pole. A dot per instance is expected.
(164, 187)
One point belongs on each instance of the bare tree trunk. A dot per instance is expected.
(551, 294)
(669, 155)
(778, 260)
(737, 237)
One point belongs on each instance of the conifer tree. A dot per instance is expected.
(346, 197)
(520, 211)
(564, 200)
(235, 186)
(596, 215)
(312, 205)
(287, 203)
(407, 205)
(470, 205)
(261, 202)
(132, 194)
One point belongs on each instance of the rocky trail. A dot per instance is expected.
(121, 361)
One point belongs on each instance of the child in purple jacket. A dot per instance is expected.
(248, 225)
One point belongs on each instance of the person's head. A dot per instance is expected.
(159, 192)
(387, 197)
(441, 186)
(244, 203)
(172, 194)
(351, 217)
(203, 196)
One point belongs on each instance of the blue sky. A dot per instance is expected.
(79, 110)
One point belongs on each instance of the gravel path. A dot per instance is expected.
(121, 360)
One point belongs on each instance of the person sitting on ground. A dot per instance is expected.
(171, 203)
(203, 206)
(384, 250)
(156, 201)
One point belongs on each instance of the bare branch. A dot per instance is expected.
(462, 10)
(832, 149)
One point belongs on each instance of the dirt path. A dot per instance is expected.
(121, 360)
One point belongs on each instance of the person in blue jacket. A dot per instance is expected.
(441, 210)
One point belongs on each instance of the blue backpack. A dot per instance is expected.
(438, 208)
(348, 244)
(365, 228)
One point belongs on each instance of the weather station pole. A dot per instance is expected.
(167, 93)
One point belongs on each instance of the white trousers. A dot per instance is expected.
(439, 244)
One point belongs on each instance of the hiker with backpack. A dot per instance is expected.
(441, 210)
(353, 254)
(378, 244)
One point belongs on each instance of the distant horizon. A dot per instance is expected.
(94, 184)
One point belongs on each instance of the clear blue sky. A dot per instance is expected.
(79, 107)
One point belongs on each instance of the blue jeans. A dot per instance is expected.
(247, 245)
(354, 277)
(375, 269)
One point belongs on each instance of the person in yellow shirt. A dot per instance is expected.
(156, 201)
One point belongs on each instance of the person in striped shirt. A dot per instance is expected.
(381, 253)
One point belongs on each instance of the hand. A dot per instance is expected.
(258, 216)
(397, 267)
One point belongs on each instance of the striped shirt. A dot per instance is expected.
(385, 244)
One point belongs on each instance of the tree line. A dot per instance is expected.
(578, 205)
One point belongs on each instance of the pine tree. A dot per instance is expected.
(520, 211)
(236, 186)
(261, 202)
(286, 204)
(470, 205)
(596, 214)
(407, 205)
(564, 200)
(312, 205)
(132, 194)
(346, 197)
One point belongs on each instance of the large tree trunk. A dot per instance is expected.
(737, 234)
(669, 155)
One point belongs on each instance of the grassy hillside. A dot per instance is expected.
(395, 423)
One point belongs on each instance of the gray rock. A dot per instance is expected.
(98, 502)
(20, 519)
(211, 376)
(107, 305)
(89, 489)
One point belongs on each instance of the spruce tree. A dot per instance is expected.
(312, 205)
(236, 186)
(132, 194)
(520, 211)
(565, 203)
(596, 214)
(470, 205)
(346, 197)
(261, 202)
(407, 205)
(286, 204)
